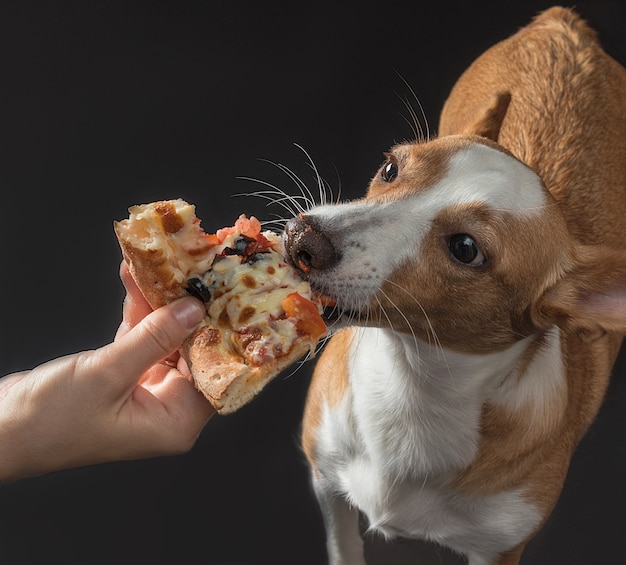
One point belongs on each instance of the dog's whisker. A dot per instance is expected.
(318, 177)
(383, 312)
(431, 329)
(277, 225)
(413, 120)
(410, 123)
(306, 194)
(331, 199)
(295, 208)
(268, 195)
(274, 190)
(299, 365)
(436, 341)
(403, 316)
(327, 194)
(322, 343)
(297, 204)
(422, 112)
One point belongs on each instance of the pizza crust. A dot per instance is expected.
(146, 240)
(228, 383)
(151, 271)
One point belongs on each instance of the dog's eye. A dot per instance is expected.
(390, 170)
(465, 250)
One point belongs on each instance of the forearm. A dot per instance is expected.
(11, 465)
(13, 416)
(37, 416)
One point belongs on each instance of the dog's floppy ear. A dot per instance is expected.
(590, 297)
(489, 122)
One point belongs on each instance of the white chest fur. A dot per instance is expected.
(410, 422)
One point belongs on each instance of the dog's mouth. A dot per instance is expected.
(315, 255)
(333, 313)
(338, 311)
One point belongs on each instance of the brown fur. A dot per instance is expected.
(566, 118)
(572, 130)
(331, 386)
(558, 105)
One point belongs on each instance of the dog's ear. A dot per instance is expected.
(590, 297)
(489, 122)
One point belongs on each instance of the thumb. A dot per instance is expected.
(157, 336)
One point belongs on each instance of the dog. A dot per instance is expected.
(480, 297)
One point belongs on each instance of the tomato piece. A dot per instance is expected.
(211, 239)
(250, 227)
(308, 319)
(325, 300)
(262, 243)
(223, 233)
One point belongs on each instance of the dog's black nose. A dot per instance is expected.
(307, 247)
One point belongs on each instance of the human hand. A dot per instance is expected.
(117, 402)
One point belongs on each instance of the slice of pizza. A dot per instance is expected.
(261, 316)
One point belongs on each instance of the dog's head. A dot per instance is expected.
(457, 241)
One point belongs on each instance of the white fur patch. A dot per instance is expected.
(408, 423)
(483, 174)
(417, 405)
(376, 237)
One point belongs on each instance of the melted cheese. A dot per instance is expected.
(246, 291)
(172, 227)
(246, 300)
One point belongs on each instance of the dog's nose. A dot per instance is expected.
(307, 247)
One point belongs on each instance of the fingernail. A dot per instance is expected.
(189, 312)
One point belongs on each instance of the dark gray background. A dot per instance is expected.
(108, 104)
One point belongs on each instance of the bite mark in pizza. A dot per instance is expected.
(261, 316)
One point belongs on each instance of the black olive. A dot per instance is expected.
(241, 244)
(196, 288)
(254, 257)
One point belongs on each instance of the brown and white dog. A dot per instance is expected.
(483, 280)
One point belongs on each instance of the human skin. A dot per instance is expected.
(130, 399)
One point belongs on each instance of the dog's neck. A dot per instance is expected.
(438, 396)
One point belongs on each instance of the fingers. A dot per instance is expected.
(125, 273)
(155, 337)
(186, 411)
(135, 307)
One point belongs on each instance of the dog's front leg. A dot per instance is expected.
(343, 539)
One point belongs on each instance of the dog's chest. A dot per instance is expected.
(416, 414)
(395, 438)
